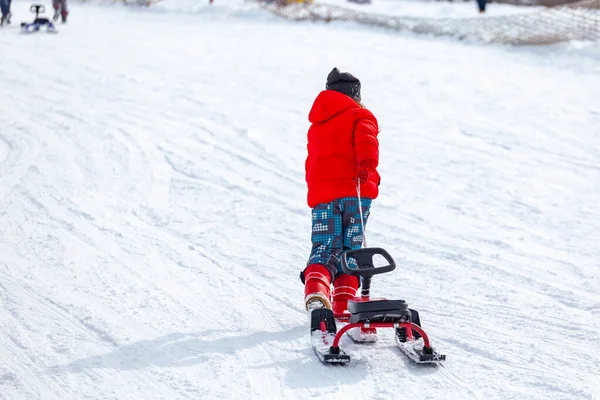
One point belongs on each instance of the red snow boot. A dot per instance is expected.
(317, 287)
(344, 288)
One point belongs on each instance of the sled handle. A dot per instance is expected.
(37, 8)
(364, 260)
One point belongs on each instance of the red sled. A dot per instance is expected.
(365, 312)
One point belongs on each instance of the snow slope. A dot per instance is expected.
(153, 217)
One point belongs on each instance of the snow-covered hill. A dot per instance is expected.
(431, 8)
(153, 217)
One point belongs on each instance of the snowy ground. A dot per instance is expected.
(153, 217)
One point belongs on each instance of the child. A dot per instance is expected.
(343, 151)
(60, 9)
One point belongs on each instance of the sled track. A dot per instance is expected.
(17, 153)
(16, 299)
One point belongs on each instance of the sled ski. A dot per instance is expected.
(416, 351)
(367, 312)
(322, 335)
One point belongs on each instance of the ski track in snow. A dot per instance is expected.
(152, 204)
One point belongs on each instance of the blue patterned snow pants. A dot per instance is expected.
(335, 229)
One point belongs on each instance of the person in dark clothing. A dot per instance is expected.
(5, 8)
(481, 4)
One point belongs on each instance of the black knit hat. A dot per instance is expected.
(343, 82)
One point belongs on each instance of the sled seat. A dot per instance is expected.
(378, 311)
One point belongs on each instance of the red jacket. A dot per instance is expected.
(342, 137)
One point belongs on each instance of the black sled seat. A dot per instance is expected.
(379, 311)
(373, 310)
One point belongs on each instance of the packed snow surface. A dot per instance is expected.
(153, 216)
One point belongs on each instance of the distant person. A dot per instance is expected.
(343, 154)
(481, 4)
(5, 8)
(60, 10)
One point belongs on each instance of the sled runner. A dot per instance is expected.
(367, 312)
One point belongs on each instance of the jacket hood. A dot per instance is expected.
(328, 104)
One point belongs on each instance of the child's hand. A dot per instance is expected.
(364, 174)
